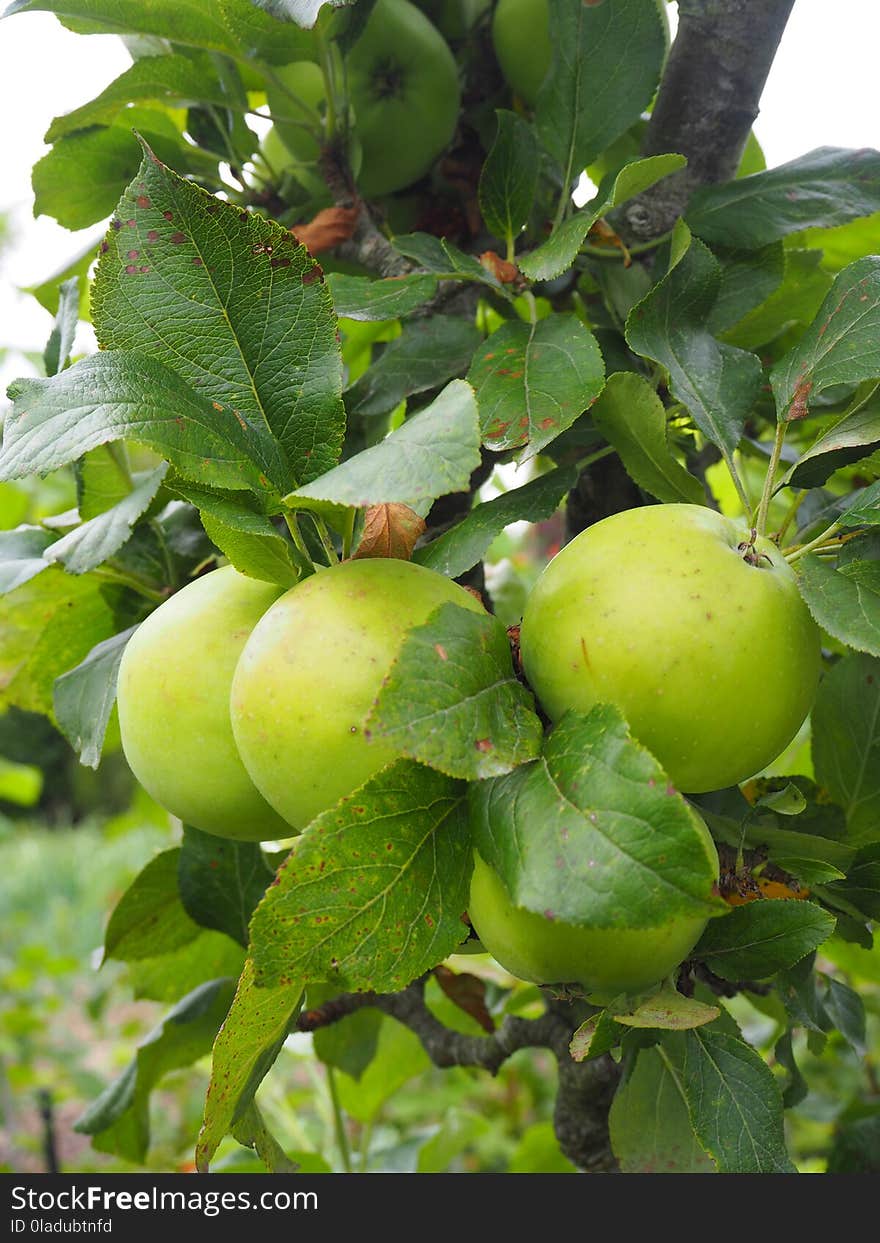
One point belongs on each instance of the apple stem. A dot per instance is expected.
(767, 493)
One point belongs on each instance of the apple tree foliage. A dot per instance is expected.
(289, 376)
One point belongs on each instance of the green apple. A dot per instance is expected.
(403, 89)
(291, 146)
(310, 673)
(702, 641)
(173, 697)
(521, 37)
(454, 18)
(604, 961)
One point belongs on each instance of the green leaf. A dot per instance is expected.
(748, 279)
(85, 696)
(593, 831)
(362, 298)
(349, 1045)
(845, 602)
(607, 60)
(796, 1089)
(49, 625)
(509, 177)
(21, 555)
(431, 454)
(826, 187)
(427, 353)
(149, 918)
(599, 1035)
(561, 248)
(252, 1132)
(841, 346)
(79, 180)
(245, 1049)
(174, 79)
(533, 380)
(462, 546)
(122, 395)
(399, 1058)
(760, 938)
(633, 418)
(441, 257)
(235, 27)
(452, 701)
(669, 1010)
(846, 1009)
(56, 355)
(168, 977)
(650, 1128)
(861, 889)
(799, 992)
(221, 881)
(90, 544)
(795, 302)
(245, 534)
(734, 1102)
(304, 12)
(47, 293)
(853, 437)
(372, 892)
(846, 742)
(233, 303)
(119, 1119)
(718, 384)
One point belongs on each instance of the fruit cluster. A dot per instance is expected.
(242, 705)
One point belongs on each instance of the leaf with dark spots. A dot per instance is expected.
(534, 380)
(452, 700)
(372, 892)
(224, 303)
(841, 346)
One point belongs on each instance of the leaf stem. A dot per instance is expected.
(296, 536)
(828, 538)
(324, 536)
(339, 1121)
(348, 534)
(613, 252)
(737, 481)
(792, 511)
(120, 578)
(767, 492)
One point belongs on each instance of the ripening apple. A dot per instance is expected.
(404, 92)
(173, 697)
(604, 961)
(701, 640)
(310, 673)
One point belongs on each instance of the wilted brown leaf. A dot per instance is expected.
(469, 994)
(390, 530)
(503, 271)
(331, 226)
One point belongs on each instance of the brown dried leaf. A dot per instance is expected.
(331, 226)
(390, 530)
(468, 992)
(503, 271)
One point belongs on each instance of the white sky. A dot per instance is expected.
(822, 91)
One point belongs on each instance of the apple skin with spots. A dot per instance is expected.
(709, 651)
(604, 961)
(173, 698)
(311, 671)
